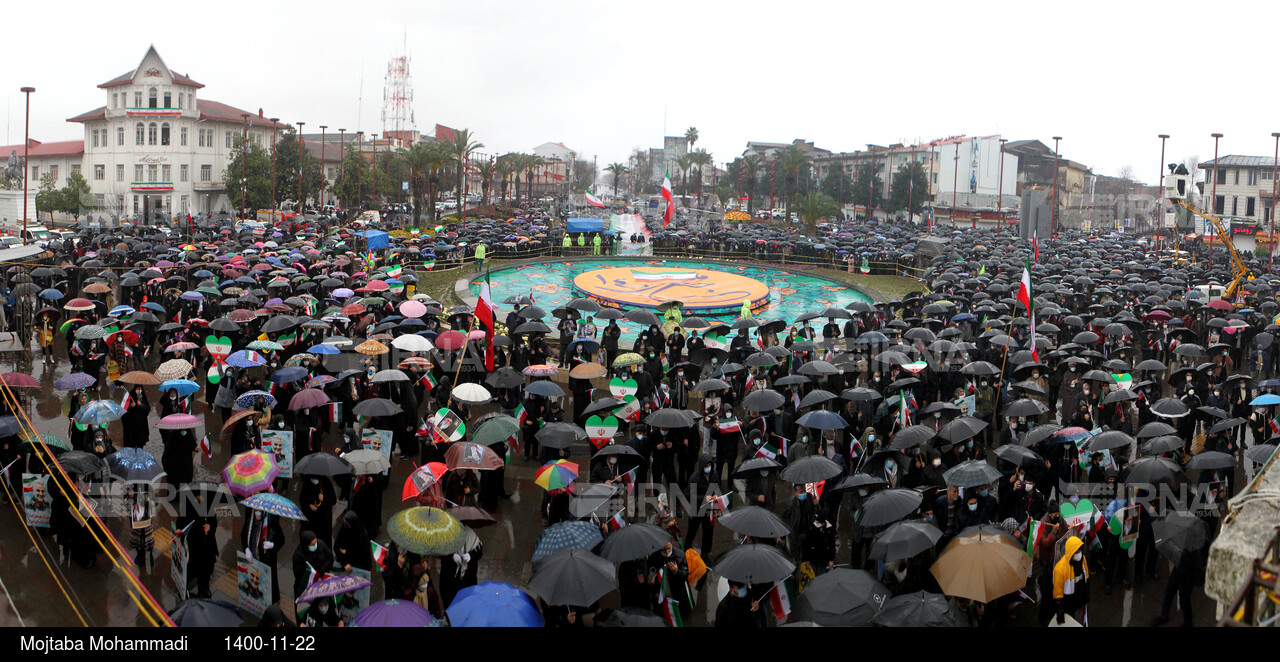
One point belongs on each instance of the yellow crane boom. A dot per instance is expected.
(1242, 272)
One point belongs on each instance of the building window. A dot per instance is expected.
(182, 136)
(115, 100)
(1253, 176)
(137, 173)
(151, 133)
(206, 172)
(229, 139)
(180, 97)
(1266, 174)
(152, 170)
(95, 137)
(135, 204)
(182, 172)
(137, 99)
(98, 200)
(139, 131)
(164, 133)
(1248, 205)
(119, 135)
(166, 173)
(1219, 202)
(168, 100)
(53, 170)
(151, 98)
(1235, 205)
(35, 173)
(75, 167)
(119, 172)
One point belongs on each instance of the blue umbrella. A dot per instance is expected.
(191, 296)
(274, 504)
(134, 465)
(963, 317)
(248, 400)
(566, 535)
(184, 387)
(494, 604)
(121, 310)
(151, 305)
(245, 358)
(203, 273)
(289, 374)
(51, 294)
(821, 419)
(74, 381)
(1265, 399)
(323, 349)
(99, 412)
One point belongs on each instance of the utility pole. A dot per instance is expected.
(1053, 211)
(244, 159)
(1213, 203)
(1159, 216)
(26, 161)
(275, 133)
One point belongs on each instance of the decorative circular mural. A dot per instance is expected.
(704, 292)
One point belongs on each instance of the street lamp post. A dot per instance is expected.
(324, 179)
(376, 205)
(26, 162)
(955, 186)
(360, 172)
(1053, 211)
(1213, 201)
(1159, 216)
(1275, 170)
(301, 145)
(342, 160)
(275, 134)
(1000, 190)
(244, 159)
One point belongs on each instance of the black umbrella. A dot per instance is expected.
(905, 539)
(1180, 537)
(1109, 440)
(80, 462)
(841, 597)
(505, 377)
(888, 506)
(1163, 444)
(204, 613)
(810, 469)
(911, 436)
(545, 388)
(1156, 429)
(760, 463)
(375, 407)
(279, 323)
(323, 464)
(755, 522)
(860, 394)
(763, 400)
(821, 419)
(572, 577)
(1025, 407)
(560, 435)
(1228, 424)
(1170, 408)
(1151, 470)
(1019, 455)
(859, 480)
(669, 417)
(1038, 434)
(1212, 460)
(919, 609)
(754, 564)
(962, 428)
(1260, 453)
(634, 541)
(973, 473)
(603, 404)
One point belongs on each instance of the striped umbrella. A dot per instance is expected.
(250, 472)
(556, 475)
(274, 504)
(427, 531)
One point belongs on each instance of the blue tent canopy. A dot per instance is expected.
(586, 225)
(376, 239)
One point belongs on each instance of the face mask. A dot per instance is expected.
(862, 493)
(1073, 368)
(888, 464)
(424, 586)
(1075, 499)
(1035, 375)
(313, 547)
(664, 433)
(937, 461)
(764, 472)
(937, 414)
(714, 361)
(1028, 486)
(680, 373)
(1188, 379)
(929, 517)
(871, 437)
(639, 436)
(1191, 391)
(973, 507)
(984, 384)
(613, 460)
(706, 470)
(983, 492)
(742, 592)
(1077, 556)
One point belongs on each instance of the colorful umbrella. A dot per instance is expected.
(427, 531)
(99, 412)
(627, 360)
(250, 472)
(540, 370)
(134, 465)
(556, 475)
(173, 369)
(275, 504)
(179, 422)
(79, 303)
(297, 359)
(75, 381)
(566, 535)
(265, 346)
(372, 348)
(337, 585)
(255, 399)
(470, 455)
(245, 358)
(321, 380)
(180, 347)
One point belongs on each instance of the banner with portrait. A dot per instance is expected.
(35, 499)
(253, 579)
(180, 556)
(378, 440)
(280, 444)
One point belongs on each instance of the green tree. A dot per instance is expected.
(866, 189)
(48, 198)
(584, 174)
(910, 184)
(751, 169)
(503, 170)
(294, 162)
(354, 168)
(699, 159)
(725, 192)
(531, 162)
(486, 170)
(691, 136)
(618, 171)
(684, 164)
(815, 207)
(249, 172)
(460, 149)
(795, 166)
(837, 184)
(75, 195)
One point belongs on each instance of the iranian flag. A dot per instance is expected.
(206, 447)
(592, 199)
(1027, 298)
(666, 195)
(379, 554)
(521, 413)
(1035, 530)
(1035, 242)
(486, 311)
(617, 522)
(781, 597)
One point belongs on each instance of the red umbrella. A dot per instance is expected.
(1159, 315)
(19, 380)
(129, 338)
(450, 340)
(422, 479)
(308, 398)
(1219, 304)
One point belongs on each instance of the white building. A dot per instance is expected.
(969, 166)
(156, 146)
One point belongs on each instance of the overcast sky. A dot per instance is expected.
(604, 77)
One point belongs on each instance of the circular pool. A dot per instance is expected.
(703, 292)
(786, 294)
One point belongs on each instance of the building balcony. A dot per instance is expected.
(208, 186)
(151, 187)
(154, 112)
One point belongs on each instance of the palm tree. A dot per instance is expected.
(618, 171)
(530, 162)
(751, 165)
(691, 136)
(419, 160)
(794, 161)
(813, 208)
(684, 163)
(460, 149)
(486, 170)
(641, 159)
(437, 159)
(700, 159)
(503, 170)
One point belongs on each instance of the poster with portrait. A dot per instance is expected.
(253, 577)
(378, 440)
(350, 604)
(180, 555)
(35, 499)
(280, 444)
(967, 405)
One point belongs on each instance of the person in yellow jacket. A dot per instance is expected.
(566, 244)
(45, 337)
(1071, 579)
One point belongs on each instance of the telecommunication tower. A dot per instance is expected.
(397, 100)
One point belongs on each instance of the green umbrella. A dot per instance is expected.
(495, 430)
(427, 531)
(628, 359)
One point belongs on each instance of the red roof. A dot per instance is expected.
(96, 114)
(127, 79)
(209, 110)
(332, 153)
(44, 150)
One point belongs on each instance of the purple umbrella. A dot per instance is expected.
(74, 381)
(308, 398)
(332, 586)
(343, 292)
(395, 614)
(179, 422)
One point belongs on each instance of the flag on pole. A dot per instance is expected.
(718, 506)
(730, 424)
(629, 480)
(593, 200)
(335, 412)
(1035, 242)
(781, 597)
(666, 195)
(617, 521)
(379, 554)
(486, 311)
(521, 413)
(1027, 298)
(206, 447)
(1035, 530)
(428, 382)
(127, 401)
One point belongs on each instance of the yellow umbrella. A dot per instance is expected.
(982, 567)
(371, 347)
